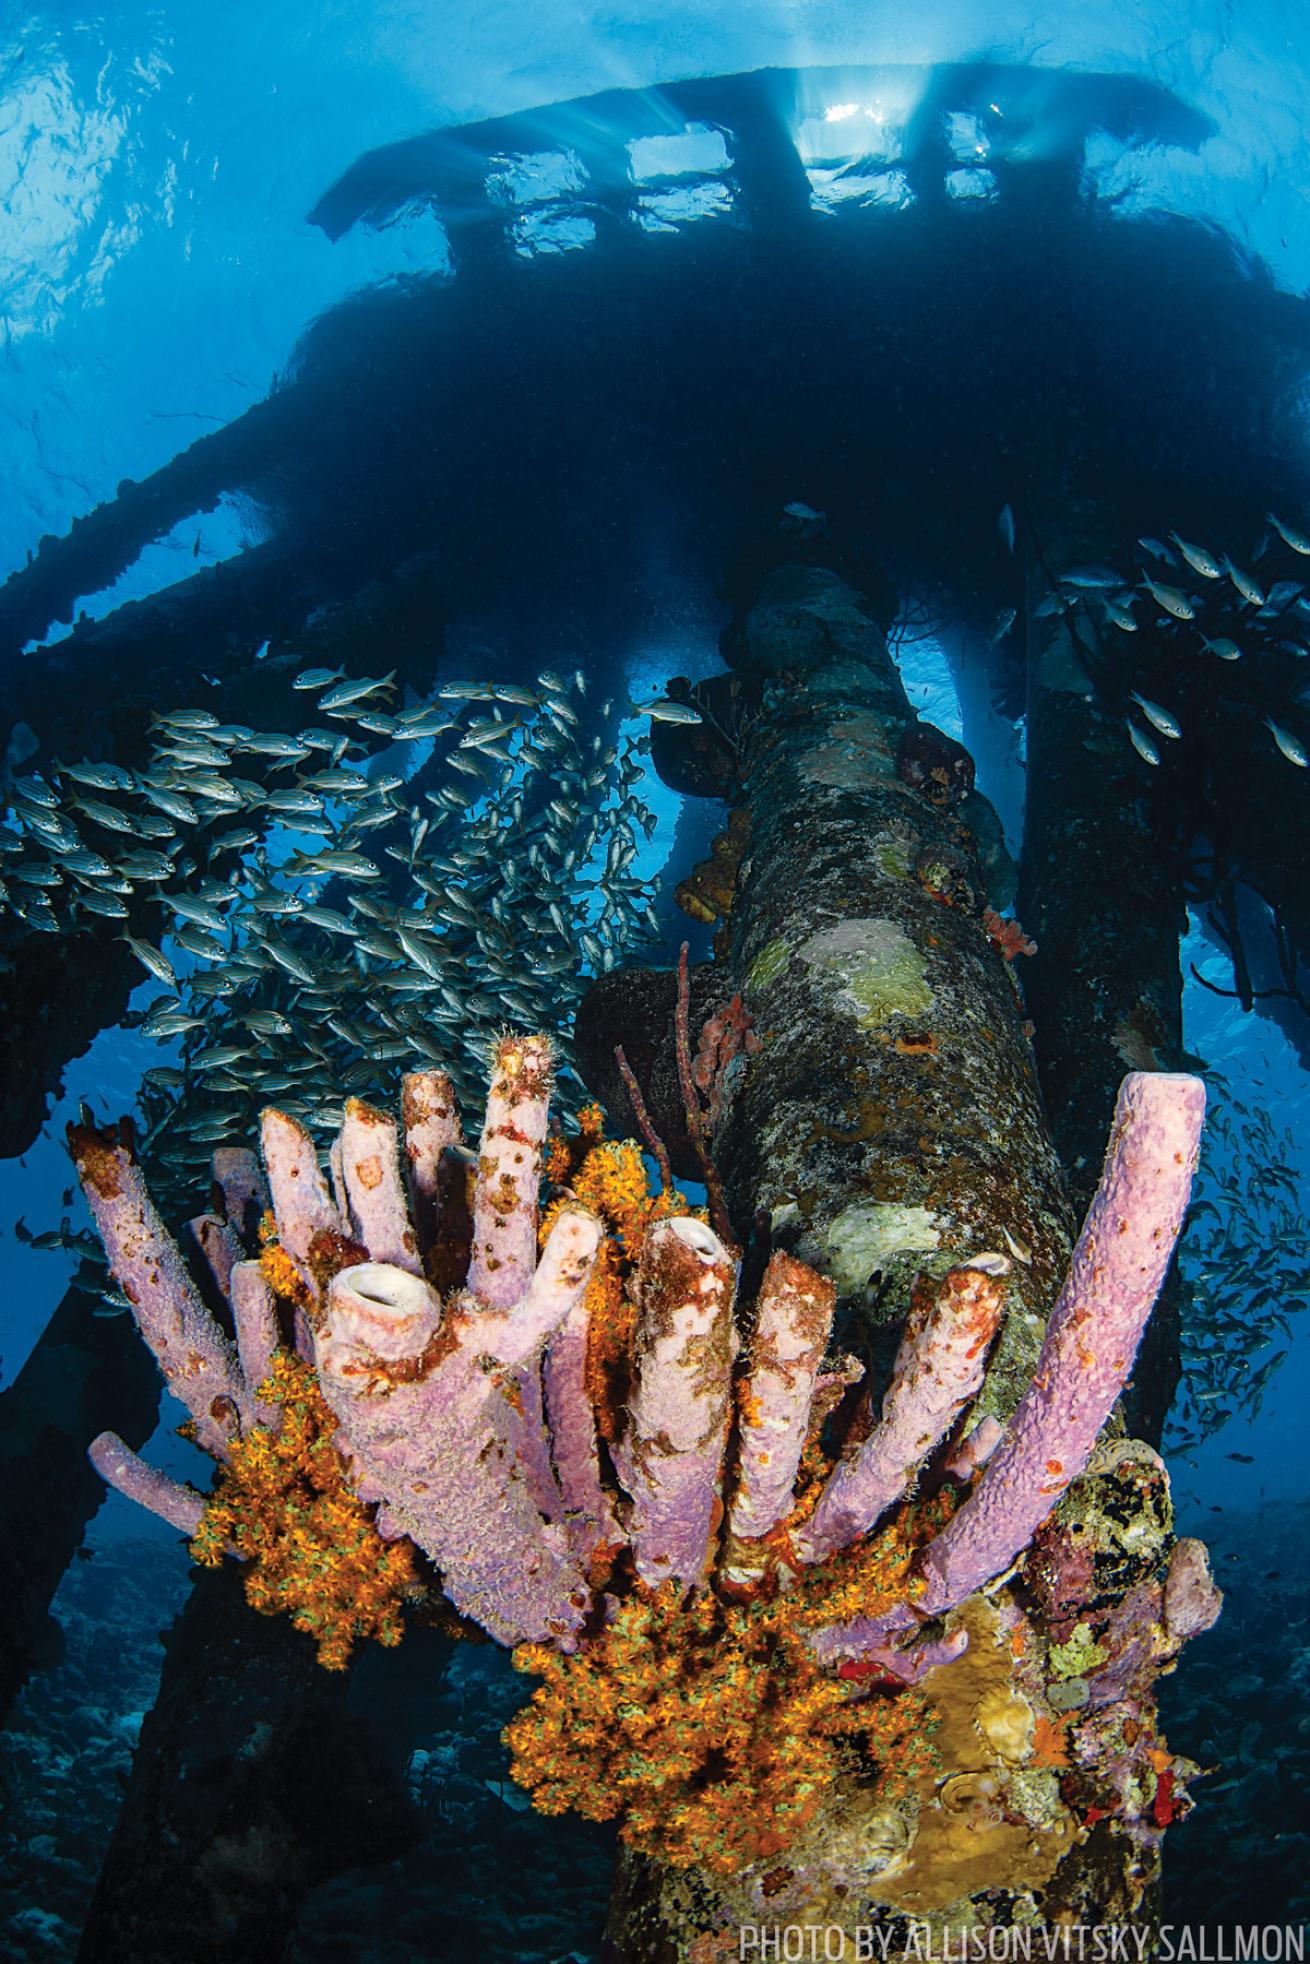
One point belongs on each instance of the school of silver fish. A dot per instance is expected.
(1205, 603)
(318, 922)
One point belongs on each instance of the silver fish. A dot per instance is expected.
(363, 686)
(37, 792)
(340, 783)
(100, 777)
(1250, 589)
(668, 712)
(1199, 559)
(1171, 599)
(317, 678)
(216, 790)
(145, 865)
(1142, 743)
(276, 746)
(1221, 646)
(191, 909)
(1159, 718)
(185, 719)
(209, 756)
(1292, 747)
(1289, 535)
(1089, 579)
(107, 904)
(109, 816)
(151, 959)
(170, 801)
(197, 942)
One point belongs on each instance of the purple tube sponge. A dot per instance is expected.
(198, 1362)
(431, 1121)
(938, 1370)
(1114, 1278)
(670, 1461)
(302, 1206)
(426, 1417)
(585, 1506)
(119, 1467)
(793, 1321)
(509, 1170)
(239, 1191)
(374, 1194)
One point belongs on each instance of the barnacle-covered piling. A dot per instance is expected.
(887, 1115)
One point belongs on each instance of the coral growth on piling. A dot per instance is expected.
(529, 1382)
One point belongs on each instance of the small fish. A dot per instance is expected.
(173, 1023)
(234, 840)
(1171, 598)
(87, 865)
(1251, 590)
(1119, 615)
(1157, 549)
(1199, 559)
(298, 803)
(1142, 743)
(1289, 535)
(109, 816)
(216, 790)
(267, 1023)
(1243, 1459)
(191, 909)
(193, 751)
(668, 712)
(337, 862)
(356, 691)
(288, 959)
(37, 792)
(185, 719)
(427, 721)
(339, 783)
(1001, 626)
(100, 777)
(273, 745)
(107, 904)
(1005, 526)
(197, 942)
(150, 958)
(1221, 646)
(1291, 746)
(145, 866)
(1091, 578)
(804, 514)
(318, 678)
(1159, 718)
(171, 802)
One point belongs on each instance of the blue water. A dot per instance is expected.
(158, 270)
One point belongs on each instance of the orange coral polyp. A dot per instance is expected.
(310, 1546)
(708, 1728)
